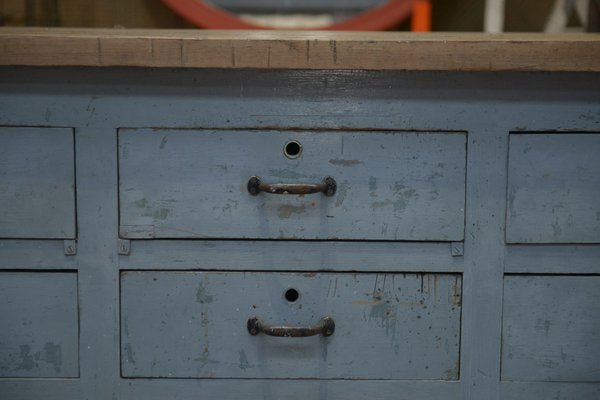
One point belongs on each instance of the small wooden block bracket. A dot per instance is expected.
(70, 247)
(124, 247)
(457, 249)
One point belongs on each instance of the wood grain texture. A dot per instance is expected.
(299, 50)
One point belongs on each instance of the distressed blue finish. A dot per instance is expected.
(489, 112)
(551, 326)
(39, 320)
(37, 183)
(554, 188)
(390, 185)
(410, 321)
(302, 256)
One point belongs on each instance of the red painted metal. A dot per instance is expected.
(384, 17)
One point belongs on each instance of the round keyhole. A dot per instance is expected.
(292, 149)
(291, 295)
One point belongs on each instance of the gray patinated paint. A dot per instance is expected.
(487, 106)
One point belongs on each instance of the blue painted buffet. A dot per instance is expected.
(289, 215)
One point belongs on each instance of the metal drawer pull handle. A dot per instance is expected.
(325, 327)
(328, 187)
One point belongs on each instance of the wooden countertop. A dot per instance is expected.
(299, 50)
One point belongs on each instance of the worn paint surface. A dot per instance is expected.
(96, 103)
(37, 183)
(551, 326)
(390, 185)
(554, 188)
(411, 322)
(38, 325)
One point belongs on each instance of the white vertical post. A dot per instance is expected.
(583, 7)
(559, 16)
(494, 16)
(562, 10)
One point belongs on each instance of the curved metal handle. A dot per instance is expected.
(325, 327)
(328, 187)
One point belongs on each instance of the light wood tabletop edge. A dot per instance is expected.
(299, 50)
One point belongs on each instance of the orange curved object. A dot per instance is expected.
(203, 15)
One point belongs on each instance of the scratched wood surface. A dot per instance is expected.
(39, 325)
(390, 185)
(37, 183)
(299, 50)
(387, 326)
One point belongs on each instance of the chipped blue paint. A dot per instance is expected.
(331, 109)
(405, 315)
(39, 325)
